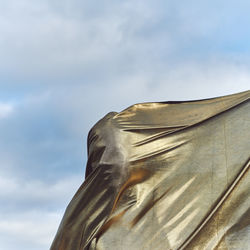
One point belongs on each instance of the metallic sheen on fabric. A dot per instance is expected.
(166, 175)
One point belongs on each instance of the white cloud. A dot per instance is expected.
(5, 110)
(37, 193)
(32, 211)
(28, 230)
(58, 41)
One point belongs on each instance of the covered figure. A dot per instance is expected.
(165, 175)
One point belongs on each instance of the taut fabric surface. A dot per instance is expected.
(169, 175)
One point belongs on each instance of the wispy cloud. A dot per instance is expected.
(28, 230)
(36, 193)
(5, 110)
(52, 42)
(32, 210)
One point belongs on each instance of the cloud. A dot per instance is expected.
(67, 42)
(5, 110)
(37, 193)
(31, 210)
(29, 231)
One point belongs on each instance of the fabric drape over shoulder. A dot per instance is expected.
(166, 175)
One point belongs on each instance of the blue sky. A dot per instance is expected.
(65, 64)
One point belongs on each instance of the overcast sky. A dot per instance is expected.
(66, 63)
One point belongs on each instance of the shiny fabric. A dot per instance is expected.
(166, 175)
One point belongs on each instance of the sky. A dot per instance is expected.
(64, 64)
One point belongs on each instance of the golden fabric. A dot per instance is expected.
(168, 175)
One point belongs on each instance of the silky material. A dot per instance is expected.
(165, 175)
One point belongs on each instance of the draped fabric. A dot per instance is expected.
(165, 175)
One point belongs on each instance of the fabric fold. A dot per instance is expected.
(165, 175)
